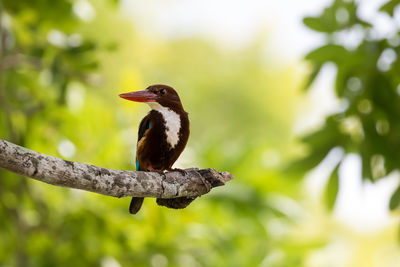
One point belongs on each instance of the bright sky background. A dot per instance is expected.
(231, 22)
(235, 23)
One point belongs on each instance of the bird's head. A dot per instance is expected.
(156, 96)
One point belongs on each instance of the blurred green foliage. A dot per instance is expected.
(60, 74)
(62, 65)
(368, 84)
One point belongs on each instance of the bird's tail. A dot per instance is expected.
(136, 204)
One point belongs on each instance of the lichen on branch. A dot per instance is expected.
(116, 183)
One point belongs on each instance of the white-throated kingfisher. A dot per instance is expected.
(163, 133)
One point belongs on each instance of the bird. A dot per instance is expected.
(163, 132)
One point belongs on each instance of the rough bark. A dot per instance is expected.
(117, 183)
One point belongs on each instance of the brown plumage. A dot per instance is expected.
(162, 135)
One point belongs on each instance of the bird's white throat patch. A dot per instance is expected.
(172, 122)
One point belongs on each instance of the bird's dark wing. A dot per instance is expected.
(136, 202)
(144, 125)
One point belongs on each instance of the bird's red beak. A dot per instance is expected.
(140, 96)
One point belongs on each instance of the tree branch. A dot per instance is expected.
(109, 182)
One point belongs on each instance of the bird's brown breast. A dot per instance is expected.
(154, 150)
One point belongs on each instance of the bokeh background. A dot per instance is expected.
(300, 100)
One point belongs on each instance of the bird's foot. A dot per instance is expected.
(154, 170)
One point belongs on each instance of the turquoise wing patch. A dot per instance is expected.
(137, 165)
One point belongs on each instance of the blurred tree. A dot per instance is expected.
(58, 93)
(368, 84)
(41, 53)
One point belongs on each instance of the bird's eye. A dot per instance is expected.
(163, 91)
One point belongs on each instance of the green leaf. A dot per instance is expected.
(330, 52)
(332, 188)
(389, 7)
(314, 73)
(329, 21)
(395, 199)
(318, 24)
